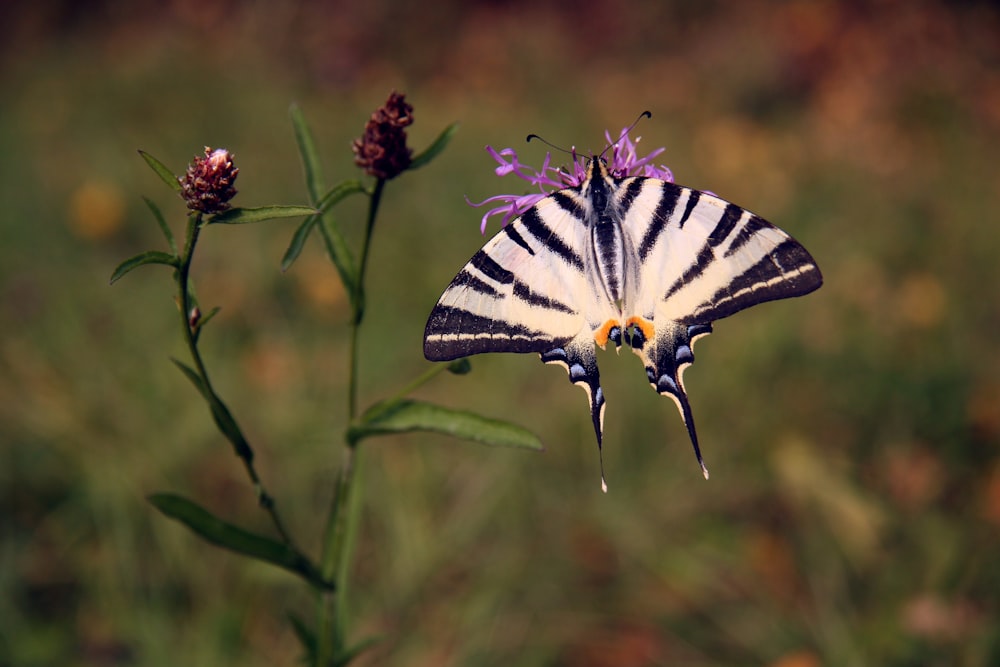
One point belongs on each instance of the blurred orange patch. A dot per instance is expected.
(96, 210)
(922, 300)
(797, 659)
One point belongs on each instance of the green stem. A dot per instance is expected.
(344, 510)
(224, 420)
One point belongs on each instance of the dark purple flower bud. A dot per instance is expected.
(207, 185)
(382, 151)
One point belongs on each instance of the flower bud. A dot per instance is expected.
(207, 185)
(382, 151)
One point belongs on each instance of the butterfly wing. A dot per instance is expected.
(701, 259)
(527, 291)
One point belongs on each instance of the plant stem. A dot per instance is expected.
(344, 510)
(223, 418)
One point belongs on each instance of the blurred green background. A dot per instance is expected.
(853, 511)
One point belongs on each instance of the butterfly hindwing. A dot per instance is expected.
(528, 290)
(701, 259)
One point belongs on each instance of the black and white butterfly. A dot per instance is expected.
(632, 259)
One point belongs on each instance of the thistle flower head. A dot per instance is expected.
(382, 151)
(207, 185)
(623, 161)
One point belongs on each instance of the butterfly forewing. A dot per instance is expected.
(703, 259)
(520, 293)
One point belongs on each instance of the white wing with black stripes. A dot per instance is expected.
(637, 261)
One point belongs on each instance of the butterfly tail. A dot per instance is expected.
(579, 359)
(666, 357)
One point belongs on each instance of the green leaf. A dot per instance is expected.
(298, 242)
(223, 418)
(307, 150)
(242, 216)
(340, 253)
(143, 258)
(305, 635)
(344, 659)
(338, 193)
(205, 318)
(193, 376)
(436, 147)
(162, 223)
(406, 415)
(162, 171)
(229, 536)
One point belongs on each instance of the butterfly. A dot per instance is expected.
(631, 260)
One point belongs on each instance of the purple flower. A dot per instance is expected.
(622, 162)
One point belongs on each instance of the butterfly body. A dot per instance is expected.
(633, 260)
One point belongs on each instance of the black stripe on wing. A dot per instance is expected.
(532, 223)
(755, 268)
(661, 215)
(524, 292)
(453, 332)
(787, 271)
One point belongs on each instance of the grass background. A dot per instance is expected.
(853, 512)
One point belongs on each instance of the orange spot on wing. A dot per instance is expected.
(644, 325)
(601, 334)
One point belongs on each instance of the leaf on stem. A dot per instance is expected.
(298, 242)
(345, 658)
(432, 151)
(162, 171)
(305, 635)
(191, 375)
(406, 416)
(223, 418)
(143, 258)
(161, 221)
(229, 536)
(241, 216)
(307, 150)
(340, 253)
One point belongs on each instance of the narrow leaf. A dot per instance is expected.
(229, 536)
(340, 254)
(307, 150)
(205, 318)
(305, 636)
(241, 216)
(436, 147)
(193, 376)
(162, 223)
(345, 658)
(162, 171)
(406, 416)
(338, 193)
(148, 257)
(298, 242)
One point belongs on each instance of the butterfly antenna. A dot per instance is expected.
(571, 152)
(644, 114)
(546, 142)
